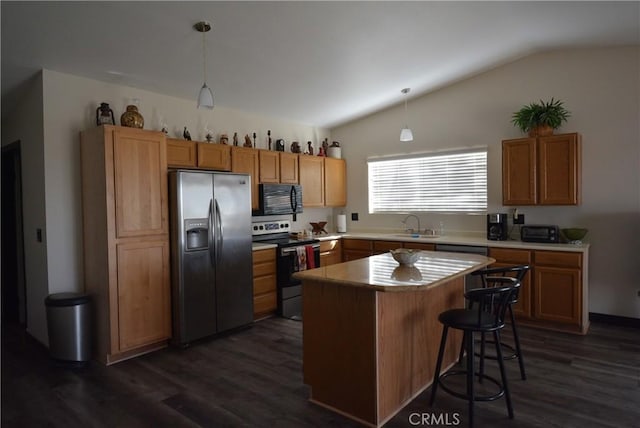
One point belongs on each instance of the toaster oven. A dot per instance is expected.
(540, 233)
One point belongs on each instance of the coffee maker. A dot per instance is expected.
(497, 227)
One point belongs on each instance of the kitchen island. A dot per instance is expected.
(371, 332)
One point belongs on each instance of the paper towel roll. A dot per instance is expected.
(341, 223)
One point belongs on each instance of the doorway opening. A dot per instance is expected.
(14, 303)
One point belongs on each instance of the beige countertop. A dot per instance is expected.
(261, 246)
(457, 240)
(383, 273)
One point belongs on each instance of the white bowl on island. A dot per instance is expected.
(406, 256)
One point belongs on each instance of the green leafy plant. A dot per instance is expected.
(551, 113)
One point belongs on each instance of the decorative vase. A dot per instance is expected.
(132, 118)
(334, 152)
(541, 131)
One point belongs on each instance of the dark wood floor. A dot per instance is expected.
(253, 379)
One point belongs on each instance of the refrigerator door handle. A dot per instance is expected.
(219, 230)
(211, 236)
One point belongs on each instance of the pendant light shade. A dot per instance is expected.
(205, 97)
(406, 135)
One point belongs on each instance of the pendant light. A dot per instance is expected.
(205, 97)
(405, 134)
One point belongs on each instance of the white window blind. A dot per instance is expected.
(450, 182)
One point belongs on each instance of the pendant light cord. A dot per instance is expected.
(406, 114)
(204, 55)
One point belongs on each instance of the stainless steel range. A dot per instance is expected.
(292, 255)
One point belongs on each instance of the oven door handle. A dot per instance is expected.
(289, 250)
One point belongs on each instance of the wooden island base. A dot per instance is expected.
(368, 353)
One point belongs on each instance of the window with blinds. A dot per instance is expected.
(439, 182)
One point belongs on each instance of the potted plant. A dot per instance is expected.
(539, 119)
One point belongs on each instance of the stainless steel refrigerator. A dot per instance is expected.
(211, 260)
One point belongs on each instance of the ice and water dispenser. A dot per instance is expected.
(197, 231)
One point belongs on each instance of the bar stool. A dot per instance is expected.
(519, 273)
(485, 314)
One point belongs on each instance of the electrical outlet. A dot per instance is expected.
(354, 216)
(518, 219)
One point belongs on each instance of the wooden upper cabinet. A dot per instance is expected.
(140, 180)
(542, 171)
(269, 166)
(181, 153)
(214, 156)
(559, 169)
(246, 161)
(289, 168)
(335, 182)
(312, 180)
(519, 179)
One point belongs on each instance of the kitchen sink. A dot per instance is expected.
(416, 236)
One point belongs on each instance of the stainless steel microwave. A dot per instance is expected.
(277, 199)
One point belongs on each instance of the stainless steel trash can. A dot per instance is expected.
(69, 326)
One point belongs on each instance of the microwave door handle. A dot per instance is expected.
(219, 231)
(210, 237)
(293, 200)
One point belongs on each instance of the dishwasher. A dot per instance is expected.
(470, 281)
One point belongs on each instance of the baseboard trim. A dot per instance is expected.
(615, 320)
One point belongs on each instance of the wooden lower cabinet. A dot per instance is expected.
(353, 249)
(558, 287)
(265, 296)
(381, 247)
(510, 257)
(419, 246)
(143, 311)
(553, 294)
(330, 252)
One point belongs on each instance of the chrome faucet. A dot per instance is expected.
(409, 230)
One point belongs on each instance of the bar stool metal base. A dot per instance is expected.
(470, 396)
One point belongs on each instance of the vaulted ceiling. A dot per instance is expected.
(319, 63)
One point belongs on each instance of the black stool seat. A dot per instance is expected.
(465, 319)
(485, 314)
(514, 351)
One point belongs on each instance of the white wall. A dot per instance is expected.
(49, 124)
(24, 123)
(601, 88)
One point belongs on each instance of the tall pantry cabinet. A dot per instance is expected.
(126, 239)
